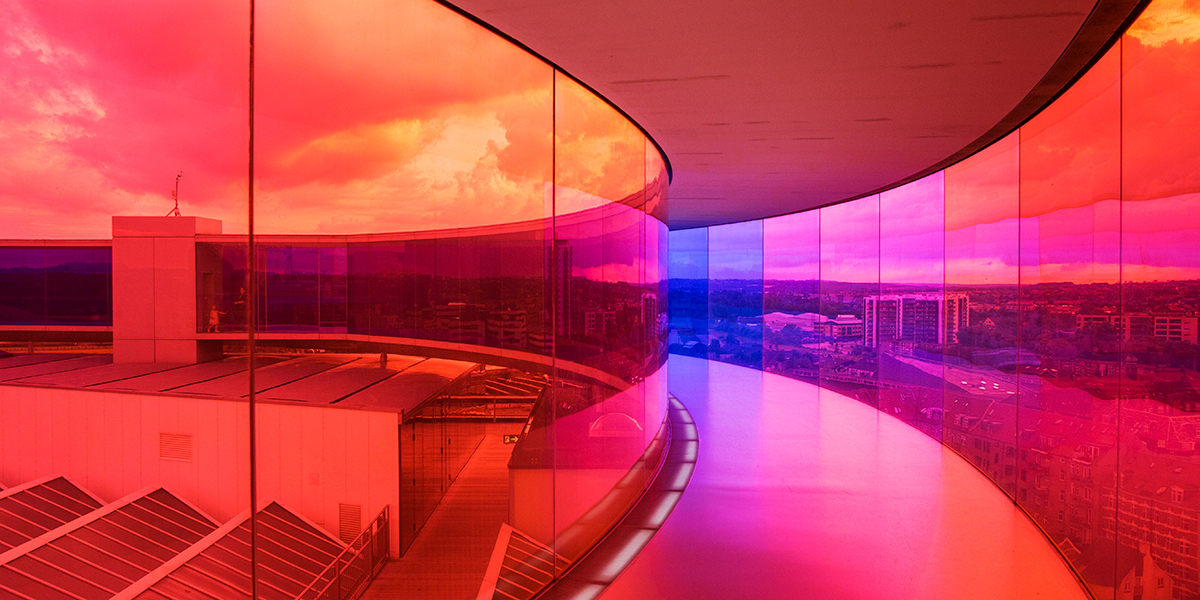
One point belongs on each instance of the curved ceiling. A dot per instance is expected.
(769, 107)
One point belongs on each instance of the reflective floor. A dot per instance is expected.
(803, 493)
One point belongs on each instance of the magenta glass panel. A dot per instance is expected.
(980, 361)
(792, 295)
(849, 275)
(1153, 513)
(911, 319)
(1069, 284)
(654, 287)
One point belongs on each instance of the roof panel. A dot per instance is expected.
(337, 383)
(110, 373)
(26, 513)
(55, 366)
(411, 387)
(102, 552)
(294, 553)
(282, 372)
(175, 378)
(21, 360)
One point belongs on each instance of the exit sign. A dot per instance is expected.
(511, 439)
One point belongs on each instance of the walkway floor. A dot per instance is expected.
(804, 493)
(448, 559)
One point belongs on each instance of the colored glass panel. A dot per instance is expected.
(911, 318)
(980, 366)
(1069, 275)
(792, 295)
(735, 293)
(849, 274)
(1149, 509)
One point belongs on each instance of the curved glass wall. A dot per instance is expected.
(1033, 307)
(430, 327)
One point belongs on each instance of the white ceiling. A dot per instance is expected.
(768, 107)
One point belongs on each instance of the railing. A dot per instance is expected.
(354, 569)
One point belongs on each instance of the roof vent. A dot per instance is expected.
(349, 521)
(175, 446)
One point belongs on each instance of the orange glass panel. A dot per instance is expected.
(1160, 269)
(1069, 275)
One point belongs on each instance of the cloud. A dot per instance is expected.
(383, 116)
(1167, 21)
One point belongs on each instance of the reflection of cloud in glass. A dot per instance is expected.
(596, 150)
(1159, 113)
(984, 187)
(982, 254)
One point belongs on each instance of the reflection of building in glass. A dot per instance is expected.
(650, 317)
(1142, 326)
(599, 322)
(507, 328)
(462, 322)
(841, 327)
(916, 318)
(559, 264)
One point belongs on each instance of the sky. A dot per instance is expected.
(375, 116)
(395, 115)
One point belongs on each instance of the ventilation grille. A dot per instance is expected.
(349, 521)
(175, 446)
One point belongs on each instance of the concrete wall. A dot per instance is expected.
(154, 289)
(311, 458)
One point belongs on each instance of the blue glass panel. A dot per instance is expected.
(735, 293)
(23, 286)
(688, 297)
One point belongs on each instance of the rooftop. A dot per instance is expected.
(363, 381)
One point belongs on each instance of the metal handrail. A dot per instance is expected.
(366, 555)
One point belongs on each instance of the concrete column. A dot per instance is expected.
(154, 289)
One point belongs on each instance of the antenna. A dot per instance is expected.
(175, 195)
